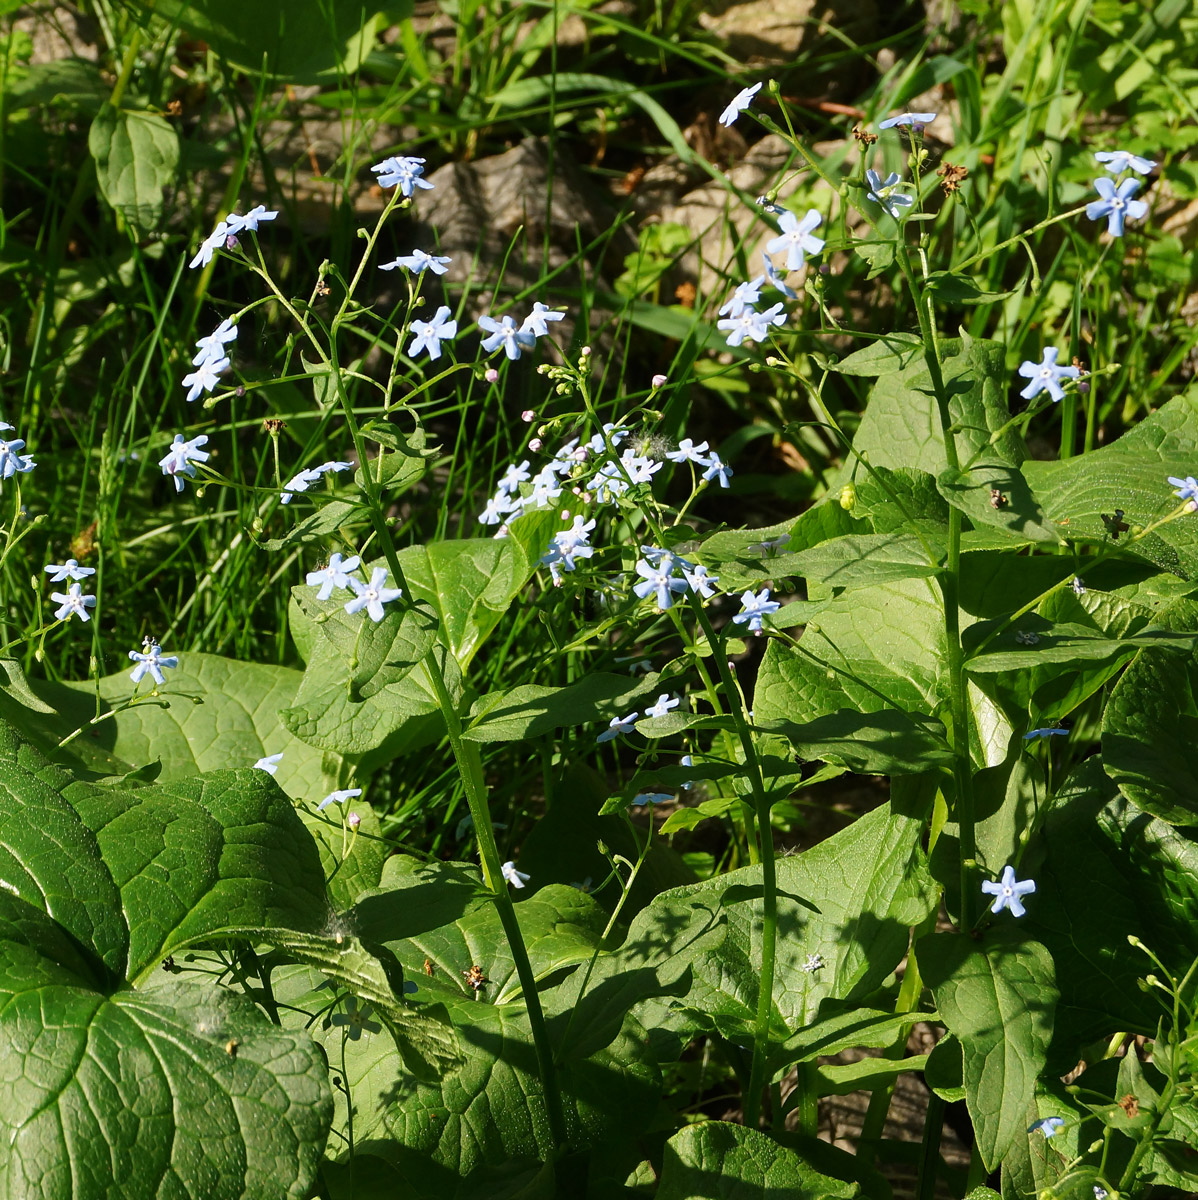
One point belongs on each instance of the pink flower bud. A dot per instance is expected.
(659, 381)
(491, 375)
(535, 445)
(354, 820)
(528, 415)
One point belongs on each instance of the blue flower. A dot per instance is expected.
(308, 476)
(235, 224)
(516, 878)
(1187, 489)
(499, 506)
(430, 334)
(216, 240)
(205, 378)
(659, 581)
(373, 595)
(335, 575)
(513, 477)
(651, 798)
(418, 261)
(68, 570)
(718, 469)
(1008, 892)
(535, 322)
(73, 604)
(754, 606)
(907, 118)
(269, 764)
(338, 798)
(699, 581)
(1048, 732)
(505, 334)
(752, 325)
(663, 705)
(775, 277)
(1047, 1126)
(745, 296)
(738, 104)
(1118, 161)
(883, 191)
(688, 452)
(11, 461)
(617, 726)
(796, 238)
(1116, 204)
(181, 457)
(212, 347)
(1046, 374)
(568, 545)
(152, 661)
(406, 172)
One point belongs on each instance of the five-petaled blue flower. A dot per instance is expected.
(506, 334)
(67, 570)
(516, 878)
(1187, 489)
(745, 296)
(339, 797)
(179, 460)
(152, 661)
(335, 575)
(738, 104)
(373, 595)
(419, 261)
(617, 726)
(796, 237)
(1046, 374)
(302, 480)
(1116, 204)
(535, 322)
(73, 604)
(11, 461)
(754, 606)
(775, 276)
(885, 193)
(1047, 1126)
(663, 705)
(1008, 892)
(659, 581)
(1118, 161)
(406, 172)
(1047, 732)
(907, 118)
(717, 469)
(430, 334)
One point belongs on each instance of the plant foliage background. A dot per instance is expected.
(583, 584)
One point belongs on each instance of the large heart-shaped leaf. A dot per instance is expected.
(136, 156)
(113, 1090)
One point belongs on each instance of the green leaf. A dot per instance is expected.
(1064, 644)
(470, 584)
(901, 425)
(953, 288)
(861, 560)
(995, 493)
(1148, 734)
(136, 157)
(717, 1158)
(889, 353)
(997, 996)
(531, 710)
(887, 742)
(895, 500)
(100, 884)
(1130, 474)
(325, 521)
(843, 1030)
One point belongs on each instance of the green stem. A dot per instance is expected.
(769, 882)
(470, 767)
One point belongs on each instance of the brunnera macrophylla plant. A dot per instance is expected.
(193, 861)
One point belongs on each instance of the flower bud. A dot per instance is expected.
(659, 381)
(353, 820)
(528, 415)
(491, 375)
(535, 445)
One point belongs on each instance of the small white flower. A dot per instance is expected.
(663, 706)
(269, 764)
(68, 570)
(738, 104)
(618, 726)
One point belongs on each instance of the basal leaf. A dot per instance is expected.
(136, 155)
